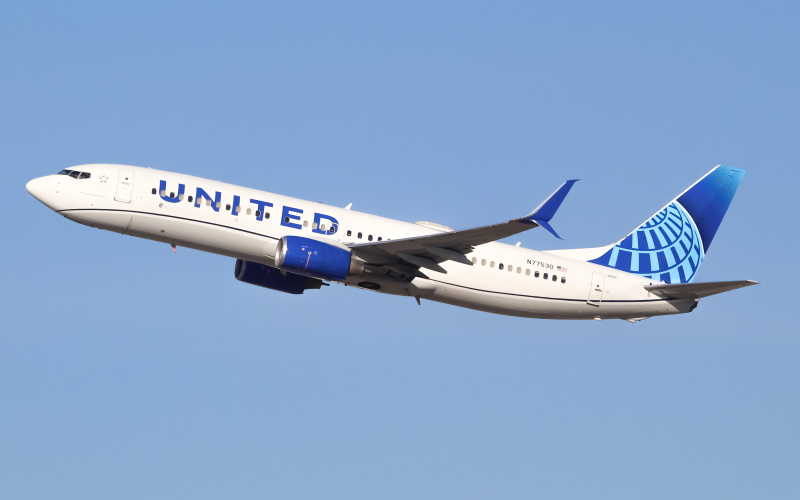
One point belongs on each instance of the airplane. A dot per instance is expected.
(292, 245)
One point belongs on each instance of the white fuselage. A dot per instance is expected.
(246, 224)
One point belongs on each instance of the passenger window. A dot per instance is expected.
(563, 279)
(483, 262)
(266, 215)
(258, 213)
(228, 206)
(379, 238)
(359, 236)
(545, 276)
(305, 223)
(491, 264)
(154, 191)
(349, 232)
(511, 269)
(249, 211)
(536, 274)
(172, 195)
(369, 237)
(286, 219)
(322, 227)
(163, 192)
(313, 226)
(191, 198)
(500, 266)
(218, 204)
(208, 203)
(555, 278)
(527, 272)
(237, 209)
(333, 229)
(474, 260)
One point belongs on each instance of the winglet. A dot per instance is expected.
(545, 212)
(546, 225)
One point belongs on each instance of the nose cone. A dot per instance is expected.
(36, 188)
(44, 189)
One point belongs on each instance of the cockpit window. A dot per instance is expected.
(75, 174)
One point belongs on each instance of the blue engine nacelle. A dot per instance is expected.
(316, 258)
(275, 279)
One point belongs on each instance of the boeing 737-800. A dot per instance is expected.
(293, 245)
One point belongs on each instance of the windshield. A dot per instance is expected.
(75, 174)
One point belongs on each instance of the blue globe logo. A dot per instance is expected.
(666, 248)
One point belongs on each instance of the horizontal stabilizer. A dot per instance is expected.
(696, 290)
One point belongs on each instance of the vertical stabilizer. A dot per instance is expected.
(670, 246)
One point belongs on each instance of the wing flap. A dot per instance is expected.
(421, 262)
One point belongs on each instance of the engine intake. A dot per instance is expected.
(316, 258)
(274, 279)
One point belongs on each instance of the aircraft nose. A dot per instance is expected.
(36, 188)
(45, 190)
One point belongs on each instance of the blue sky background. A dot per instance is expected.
(127, 371)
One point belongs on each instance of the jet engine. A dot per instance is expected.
(275, 279)
(316, 258)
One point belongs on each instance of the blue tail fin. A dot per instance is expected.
(670, 246)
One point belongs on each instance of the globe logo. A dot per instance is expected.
(665, 248)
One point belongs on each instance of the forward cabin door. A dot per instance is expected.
(596, 291)
(124, 186)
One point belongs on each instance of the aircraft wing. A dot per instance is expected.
(427, 251)
(696, 290)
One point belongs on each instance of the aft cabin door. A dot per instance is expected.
(596, 292)
(124, 186)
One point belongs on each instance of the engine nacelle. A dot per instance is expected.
(316, 258)
(275, 279)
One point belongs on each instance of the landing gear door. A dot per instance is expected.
(124, 186)
(596, 291)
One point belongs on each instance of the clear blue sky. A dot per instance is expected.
(129, 372)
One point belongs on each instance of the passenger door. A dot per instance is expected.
(124, 186)
(596, 291)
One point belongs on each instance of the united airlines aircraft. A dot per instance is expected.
(292, 245)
